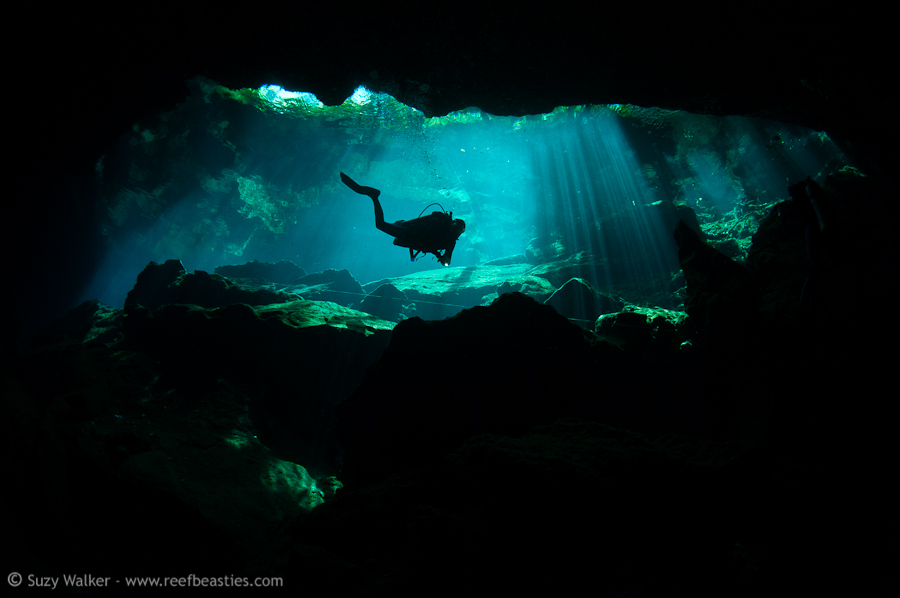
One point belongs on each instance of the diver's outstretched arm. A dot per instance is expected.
(370, 191)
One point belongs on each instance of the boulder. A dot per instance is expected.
(644, 330)
(169, 283)
(213, 290)
(388, 302)
(500, 368)
(338, 286)
(152, 287)
(578, 301)
(719, 298)
(544, 249)
(283, 272)
(509, 260)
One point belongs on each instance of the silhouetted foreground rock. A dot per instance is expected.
(513, 514)
(581, 303)
(169, 283)
(486, 369)
(510, 366)
(503, 448)
(716, 296)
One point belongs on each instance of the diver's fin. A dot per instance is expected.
(370, 191)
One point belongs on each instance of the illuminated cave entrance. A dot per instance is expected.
(592, 192)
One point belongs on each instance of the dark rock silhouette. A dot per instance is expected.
(578, 301)
(283, 272)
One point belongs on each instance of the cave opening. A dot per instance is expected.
(232, 176)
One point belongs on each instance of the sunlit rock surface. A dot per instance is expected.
(443, 292)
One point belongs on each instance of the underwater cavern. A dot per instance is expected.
(649, 367)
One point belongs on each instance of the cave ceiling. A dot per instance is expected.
(769, 59)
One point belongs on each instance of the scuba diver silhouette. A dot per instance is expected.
(436, 233)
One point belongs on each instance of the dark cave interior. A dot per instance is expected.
(663, 384)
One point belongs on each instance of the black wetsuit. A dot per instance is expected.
(436, 233)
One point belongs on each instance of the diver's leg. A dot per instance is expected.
(380, 224)
(370, 191)
(379, 214)
(387, 227)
